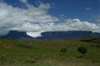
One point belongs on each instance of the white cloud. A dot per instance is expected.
(69, 25)
(23, 1)
(13, 18)
(34, 34)
(35, 20)
(62, 15)
(97, 20)
(88, 8)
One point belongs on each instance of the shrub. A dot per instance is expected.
(82, 50)
(63, 50)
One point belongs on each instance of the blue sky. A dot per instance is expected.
(37, 16)
(81, 9)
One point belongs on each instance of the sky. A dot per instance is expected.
(37, 16)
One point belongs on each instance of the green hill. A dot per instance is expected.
(47, 53)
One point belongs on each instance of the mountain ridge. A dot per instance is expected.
(52, 35)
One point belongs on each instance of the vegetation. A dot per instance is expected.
(92, 40)
(63, 50)
(82, 50)
(47, 53)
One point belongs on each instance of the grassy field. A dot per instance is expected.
(47, 53)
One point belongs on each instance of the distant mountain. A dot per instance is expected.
(67, 35)
(56, 35)
(18, 36)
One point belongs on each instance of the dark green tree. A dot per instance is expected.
(82, 50)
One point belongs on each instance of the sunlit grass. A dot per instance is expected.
(47, 53)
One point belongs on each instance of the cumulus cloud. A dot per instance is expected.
(68, 25)
(13, 18)
(35, 20)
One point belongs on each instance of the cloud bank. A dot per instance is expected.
(34, 20)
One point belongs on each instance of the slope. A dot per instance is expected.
(47, 53)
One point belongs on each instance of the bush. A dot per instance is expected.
(82, 50)
(63, 50)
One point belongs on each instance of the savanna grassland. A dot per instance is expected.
(47, 53)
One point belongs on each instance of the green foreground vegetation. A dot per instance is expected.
(48, 53)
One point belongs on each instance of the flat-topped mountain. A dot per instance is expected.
(55, 35)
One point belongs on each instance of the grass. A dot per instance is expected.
(47, 53)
